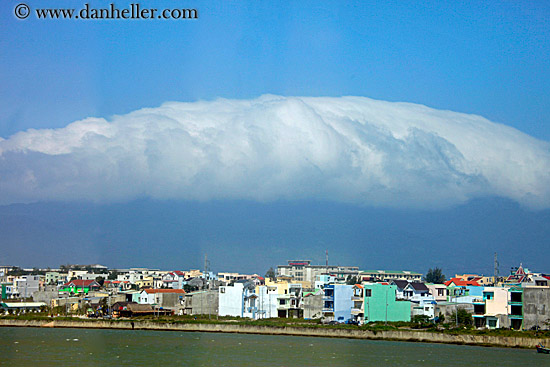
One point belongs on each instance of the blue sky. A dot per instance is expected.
(483, 58)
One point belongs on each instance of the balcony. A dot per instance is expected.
(357, 298)
(356, 311)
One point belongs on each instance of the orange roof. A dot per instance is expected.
(460, 282)
(151, 290)
(359, 286)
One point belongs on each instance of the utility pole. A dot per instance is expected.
(496, 270)
(386, 323)
(326, 253)
(206, 294)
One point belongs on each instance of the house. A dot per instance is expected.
(463, 291)
(130, 309)
(515, 307)
(313, 304)
(337, 302)
(289, 296)
(79, 286)
(21, 307)
(165, 298)
(267, 301)
(381, 303)
(491, 311)
(422, 302)
(536, 308)
(174, 279)
(358, 299)
(117, 285)
(238, 300)
(24, 286)
(438, 291)
(480, 279)
(204, 302)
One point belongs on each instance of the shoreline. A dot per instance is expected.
(391, 335)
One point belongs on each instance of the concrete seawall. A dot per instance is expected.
(397, 335)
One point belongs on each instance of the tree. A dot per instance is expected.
(351, 280)
(270, 273)
(434, 276)
(113, 275)
(100, 280)
(464, 318)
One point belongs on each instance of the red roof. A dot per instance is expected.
(151, 291)
(460, 282)
(82, 283)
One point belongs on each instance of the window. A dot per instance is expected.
(222, 290)
(368, 292)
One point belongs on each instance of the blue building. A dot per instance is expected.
(337, 302)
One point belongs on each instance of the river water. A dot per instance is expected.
(102, 347)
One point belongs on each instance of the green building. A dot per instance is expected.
(80, 286)
(381, 304)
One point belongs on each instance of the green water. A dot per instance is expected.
(88, 347)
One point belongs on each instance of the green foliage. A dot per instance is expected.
(464, 318)
(421, 319)
(113, 274)
(435, 276)
(270, 274)
(351, 280)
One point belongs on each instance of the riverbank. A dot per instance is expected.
(394, 335)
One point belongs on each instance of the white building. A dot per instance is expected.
(238, 300)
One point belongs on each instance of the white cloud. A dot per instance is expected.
(348, 149)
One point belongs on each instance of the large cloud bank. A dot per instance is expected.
(349, 149)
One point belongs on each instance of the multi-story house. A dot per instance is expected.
(515, 307)
(358, 299)
(238, 299)
(536, 307)
(304, 271)
(491, 310)
(312, 302)
(438, 291)
(25, 286)
(174, 279)
(381, 303)
(338, 302)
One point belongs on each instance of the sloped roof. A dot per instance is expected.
(82, 283)
(401, 284)
(460, 282)
(421, 287)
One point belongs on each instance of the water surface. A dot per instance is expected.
(103, 347)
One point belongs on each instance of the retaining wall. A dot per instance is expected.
(397, 335)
